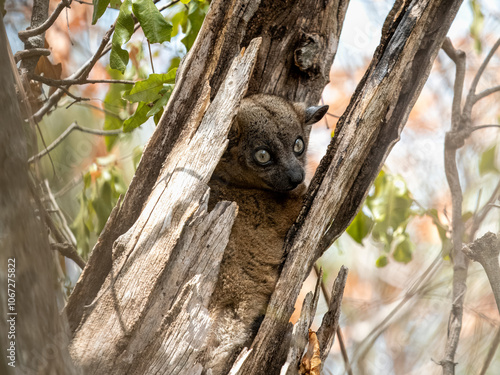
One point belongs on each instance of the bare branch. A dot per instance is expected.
(340, 336)
(474, 128)
(458, 58)
(330, 322)
(469, 102)
(30, 53)
(481, 215)
(68, 251)
(485, 251)
(80, 81)
(485, 93)
(73, 126)
(454, 139)
(25, 34)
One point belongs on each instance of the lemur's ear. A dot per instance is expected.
(315, 113)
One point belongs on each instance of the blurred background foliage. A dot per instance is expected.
(396, 302)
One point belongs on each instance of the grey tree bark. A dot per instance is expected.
(140, 304)
(37, 337)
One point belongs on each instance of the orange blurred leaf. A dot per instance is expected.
(49, 70)
(311, 362)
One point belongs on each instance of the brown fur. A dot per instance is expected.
(269, 199)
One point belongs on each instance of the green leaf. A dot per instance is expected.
(155, 27)
(160, 103)
(114, 106)
(476, 26)
(197, 12)
(382, 261)
(102, 204)
(157, 117)
(185, 1)
(100, 7)
(442, 231)
(487, 162)
(124, 29)
(137, 119)
(148, 90)
(136, 156)
(179, 22)
(404, 250)
(360, 227)
(390, 203)
(115, 4)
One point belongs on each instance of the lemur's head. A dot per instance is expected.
(268, 143)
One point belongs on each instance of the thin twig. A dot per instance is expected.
(469, 102)
(340, 336)
(474, 128)
(151, 58)
(485, 251)
(30, 53)
(68, 251)
(80, 81)
(458, 58)
(25, 34)
(73, 126)
(485, 93)
(453, 141)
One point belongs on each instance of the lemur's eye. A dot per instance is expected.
(298, 146)
(262, 157)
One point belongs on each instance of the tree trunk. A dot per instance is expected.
(140, 304)
(411, 38)
(36, 337)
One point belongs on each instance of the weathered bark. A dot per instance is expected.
(412, 36)
(151, 313)
(115, 310)
(27, 264)
(228, 26)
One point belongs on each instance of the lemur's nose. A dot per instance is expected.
(296, 176)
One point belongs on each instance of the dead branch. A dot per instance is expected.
(300, 332)
(330, 322)
(68, 251)
(73, 126)
(455, 139)
(485, 251)
(31, 53)
(79, 81)
(25, 34)
(340, 336)
(471, 96)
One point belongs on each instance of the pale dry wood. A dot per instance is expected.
(330, 322)
(173, 249)
(301, 330)
(228, 26)
(485, 251)
(364, 136)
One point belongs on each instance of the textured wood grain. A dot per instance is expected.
(228, 26)
(364, 136)
(165, 266)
